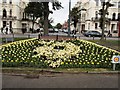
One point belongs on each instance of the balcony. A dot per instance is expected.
(95, 19)
(8, 18)
(26, 19)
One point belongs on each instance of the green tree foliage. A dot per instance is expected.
(58, 26)
(103, 12)
(75, 12)
(34, 9)
(41, 9)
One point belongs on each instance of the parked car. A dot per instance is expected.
(51, 30)
(65, 30)
(93, 33)
(56, 30)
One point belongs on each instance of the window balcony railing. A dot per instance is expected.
(8, 17)
(95, 19)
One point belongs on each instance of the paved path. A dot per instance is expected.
(62, 81)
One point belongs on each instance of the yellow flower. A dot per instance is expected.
(31, 61)
(62, 62)
(92, 63)
(98, 63)
(12, 61)
(79, 63)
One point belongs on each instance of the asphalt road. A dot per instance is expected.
(35, 35)
(62, 81)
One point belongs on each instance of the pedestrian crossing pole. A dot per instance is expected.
(69, 18)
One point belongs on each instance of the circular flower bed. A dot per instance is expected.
(55, 53)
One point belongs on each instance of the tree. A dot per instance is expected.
(58, 26)
(41, 21)
(103, 12)
(34, 9)
(39, 9)
(75, 12)
(56, 6)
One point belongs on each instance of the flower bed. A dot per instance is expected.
(64, 54)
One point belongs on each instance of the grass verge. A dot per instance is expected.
(113, 44)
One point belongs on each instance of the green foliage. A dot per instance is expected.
(41, 9)
(75, 12)
(21, 53)
(34, 8)
(58, 26)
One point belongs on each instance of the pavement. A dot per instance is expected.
(49, 78)
(61, 81)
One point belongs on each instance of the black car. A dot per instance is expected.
(93, 33)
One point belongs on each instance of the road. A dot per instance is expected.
(62, 81)
(32, 35)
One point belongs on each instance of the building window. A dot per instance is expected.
(10, 24)
(96, 25)
(118, 4)
(4, 24)
(88, 26)
(83, 17)
(114, 15)
(23, 15)
(10, 12)
(96, 15)
(4, 1)
(115, 4)
(118, 16)
(4, 13)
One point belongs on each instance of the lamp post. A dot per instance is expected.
(69, 18)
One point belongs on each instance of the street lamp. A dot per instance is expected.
(69, 18)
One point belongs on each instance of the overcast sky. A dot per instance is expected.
(60, 16)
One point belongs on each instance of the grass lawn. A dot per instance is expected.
(113, 44)
(15, 39)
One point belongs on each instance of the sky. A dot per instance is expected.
(60, 16)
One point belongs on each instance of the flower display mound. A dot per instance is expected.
(56, 54)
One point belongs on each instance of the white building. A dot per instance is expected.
(89, 19)
(12, 15)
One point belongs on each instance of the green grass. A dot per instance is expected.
(15, 39)
(113, 44)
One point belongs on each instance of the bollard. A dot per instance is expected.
(93, 37)
(105, 37)
(29, 36)
(114, 65)
(13, 38)
(5, 40)
(56, 37)
(39, 36)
